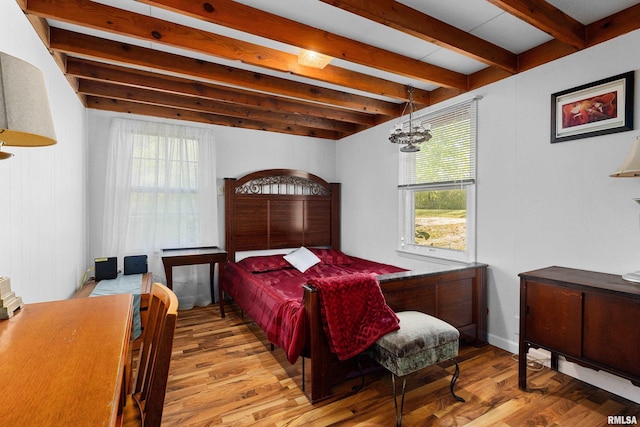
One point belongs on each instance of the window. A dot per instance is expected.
(437, 187)
(160, 192)
(164, 191)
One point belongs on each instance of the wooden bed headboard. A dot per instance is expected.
(278, 209)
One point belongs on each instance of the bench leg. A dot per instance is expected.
(395, 398)
(453, 381)
(360, 386)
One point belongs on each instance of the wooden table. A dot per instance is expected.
(143, 308)
(90, 285)
(64, 362)
(211, 255)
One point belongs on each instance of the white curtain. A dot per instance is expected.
(160, 193)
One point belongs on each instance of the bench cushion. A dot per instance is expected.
(421, 341)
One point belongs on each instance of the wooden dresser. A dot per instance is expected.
(589, 318)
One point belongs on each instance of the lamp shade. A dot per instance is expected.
(25, 116)
(631, 165)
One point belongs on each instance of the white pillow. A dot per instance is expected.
(302, 259)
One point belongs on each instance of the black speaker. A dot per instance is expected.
(106, 268)
(135, 264)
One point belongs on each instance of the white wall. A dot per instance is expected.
(238, 152)
(539, 204)
(43, 196)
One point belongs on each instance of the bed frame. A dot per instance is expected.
(284, 208)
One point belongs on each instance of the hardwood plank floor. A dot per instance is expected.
(223, 373)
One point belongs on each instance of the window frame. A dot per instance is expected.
(406, 197)
(407, 224)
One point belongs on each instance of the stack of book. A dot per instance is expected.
(9, 302)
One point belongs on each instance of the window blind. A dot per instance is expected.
(449, 157)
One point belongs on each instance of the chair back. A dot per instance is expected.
(155, 354)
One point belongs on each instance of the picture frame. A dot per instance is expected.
(599, 108)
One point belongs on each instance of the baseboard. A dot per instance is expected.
(604, 380)
(510, 346)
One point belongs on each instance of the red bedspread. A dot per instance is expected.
(271, 293)
(354, 312)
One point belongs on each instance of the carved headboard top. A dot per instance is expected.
(279, 209)
(282, 181)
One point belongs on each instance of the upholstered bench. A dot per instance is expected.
(421, 341)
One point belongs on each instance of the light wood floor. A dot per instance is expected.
(223, 373)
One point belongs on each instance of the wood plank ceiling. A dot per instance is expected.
(185, 67)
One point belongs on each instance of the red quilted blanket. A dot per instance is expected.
(355, 313)
(271, 294)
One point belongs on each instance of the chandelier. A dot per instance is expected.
(415, 135)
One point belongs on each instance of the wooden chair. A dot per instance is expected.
(144, 406)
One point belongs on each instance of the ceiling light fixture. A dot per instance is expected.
(310, 58)
(415, 134)
(25, 116)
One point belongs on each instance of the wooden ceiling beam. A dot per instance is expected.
(82, 45)
(131, 78)
(544, 53)
(600, 31)
(613, 26)
(41, 27)
(547, 18)
(131, 107)
(118, 21)
(410, 21)
(234, 15)
(98, 71)
(184, 102)
(486, 76)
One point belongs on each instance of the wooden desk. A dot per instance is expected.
(193, 256)
(64, 362)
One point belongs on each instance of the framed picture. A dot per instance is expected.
(597, 108)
